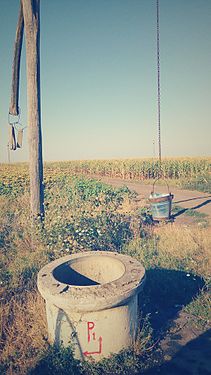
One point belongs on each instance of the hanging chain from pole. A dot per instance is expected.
(158, 81)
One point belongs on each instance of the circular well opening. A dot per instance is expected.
(89, 270)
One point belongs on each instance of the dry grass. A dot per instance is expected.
(22, 314)
(23, 324)
(17, 252)
(187, 245)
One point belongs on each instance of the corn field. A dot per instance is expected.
(137, 169)
(132, 169)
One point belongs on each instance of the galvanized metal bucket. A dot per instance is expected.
(160, 203)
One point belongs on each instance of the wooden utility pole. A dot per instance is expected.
(31, 15)
(29, 19)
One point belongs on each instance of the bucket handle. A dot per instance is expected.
(160, 178)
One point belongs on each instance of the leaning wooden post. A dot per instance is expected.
(14, 107)
(31, 14)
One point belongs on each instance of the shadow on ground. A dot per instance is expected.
(192, 359)
(165, 293)
(183, 210)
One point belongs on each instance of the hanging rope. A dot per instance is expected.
(158, 82)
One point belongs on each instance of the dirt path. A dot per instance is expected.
(186, 199)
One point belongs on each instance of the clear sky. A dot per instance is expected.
(98, 78)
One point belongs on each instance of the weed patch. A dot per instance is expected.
(84, 214)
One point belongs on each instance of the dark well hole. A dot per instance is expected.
(89, 270)
(67, 275)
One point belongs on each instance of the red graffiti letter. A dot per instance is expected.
(90, 326)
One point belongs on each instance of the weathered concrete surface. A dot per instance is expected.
(91, 301)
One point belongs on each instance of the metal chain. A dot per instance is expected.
(158, 80)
